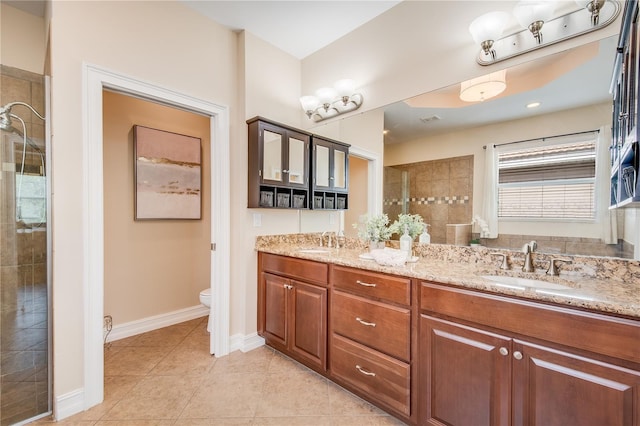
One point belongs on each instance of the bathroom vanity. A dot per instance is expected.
(436, 343)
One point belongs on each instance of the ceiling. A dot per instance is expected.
(299, 28)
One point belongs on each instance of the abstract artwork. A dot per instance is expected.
(167, 175)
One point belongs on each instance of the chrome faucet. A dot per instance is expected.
(553, 265)
(504, 263)
(527, 249)
(328, 234)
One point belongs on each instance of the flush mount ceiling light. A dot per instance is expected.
(485, 87)
(560, 24)
(332, 101)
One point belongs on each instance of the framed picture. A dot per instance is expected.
(168, 175)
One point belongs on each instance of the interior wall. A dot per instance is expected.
(416, 47)
(471, 142)
(22, 39)
(151, 267)
(179, 50)
(358, 178)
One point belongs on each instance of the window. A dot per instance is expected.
(550, 182)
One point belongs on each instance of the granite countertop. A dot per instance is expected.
(604, 295)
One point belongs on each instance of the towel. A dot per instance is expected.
(389, 256)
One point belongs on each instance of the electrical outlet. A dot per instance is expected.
(108, 323)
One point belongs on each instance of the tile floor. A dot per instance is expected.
(167, 377)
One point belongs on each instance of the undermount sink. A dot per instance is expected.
(522, 283)
(314, 251)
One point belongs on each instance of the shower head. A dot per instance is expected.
(5, 114)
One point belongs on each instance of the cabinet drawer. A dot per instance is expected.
(381, 326)
(376, 375)
(301, 269)
(371, 284)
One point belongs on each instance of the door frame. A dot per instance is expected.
(95, 80)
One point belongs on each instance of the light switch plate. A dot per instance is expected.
(257, 220)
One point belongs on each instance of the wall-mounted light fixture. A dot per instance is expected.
(532, 15)
(332, 101)
(484, 87)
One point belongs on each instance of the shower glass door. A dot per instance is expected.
(24, 252)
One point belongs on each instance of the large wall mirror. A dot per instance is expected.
(435, 157)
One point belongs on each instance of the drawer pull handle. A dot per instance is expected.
(365, 372)
(362, 283)
(363, 322)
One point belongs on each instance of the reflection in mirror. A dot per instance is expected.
(272, 156)
(322, 166)
(296, 161)
(339, 169)
(436, 141)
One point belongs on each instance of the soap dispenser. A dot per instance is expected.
(425, 238)
(406, 242)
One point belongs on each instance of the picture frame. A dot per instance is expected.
(167, 175)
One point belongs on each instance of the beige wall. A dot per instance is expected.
(416, 47)
(22, 39)
(358, 175)
(153, 266)
(178, 49)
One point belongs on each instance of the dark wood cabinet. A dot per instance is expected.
(330, 177)
(292, 314)
(278, 165)
(472, 373)
(466, 374)
(436, 354)
(292, 169)
(625, 149)
(552, 387)
(371, 337)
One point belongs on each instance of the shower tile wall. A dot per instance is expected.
(441, 191)
(24, 383)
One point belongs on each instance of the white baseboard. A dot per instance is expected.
(245, 343)
(68, 404)
(143, 325)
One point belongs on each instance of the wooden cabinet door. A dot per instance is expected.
(556, 388)
(308, 332)
(274, 295)
(465, 375)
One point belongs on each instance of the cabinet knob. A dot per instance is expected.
(363, 322)
(288, 286)
(504, 351)
(362, 283)
(517, 355)
(365, 372)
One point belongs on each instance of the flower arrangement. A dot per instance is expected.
(482, 224)
(415, 225)
(373, 228)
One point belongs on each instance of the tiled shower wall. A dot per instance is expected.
(441, 191)
(24, 384)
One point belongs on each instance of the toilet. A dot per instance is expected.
(205, 299)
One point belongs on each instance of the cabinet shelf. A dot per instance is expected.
(625, 152)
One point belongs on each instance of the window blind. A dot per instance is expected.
(555, 181)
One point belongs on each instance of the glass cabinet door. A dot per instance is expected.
(322, 166)
(339, 169)
(272, 156)
(297, 154)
